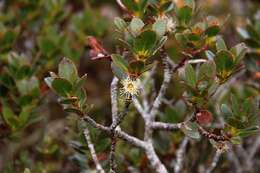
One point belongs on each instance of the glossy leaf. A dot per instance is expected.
(144, 44)
(136, 67)
(224, 61)
(61, 86)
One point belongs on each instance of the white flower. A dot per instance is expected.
(130, 87)
(222, 147)
(170, 24)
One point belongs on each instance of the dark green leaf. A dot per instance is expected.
(61, 86)
(136, 67)
(184, 14)
(212, 31)
(224, 61)
(144, 44)
(130, 4)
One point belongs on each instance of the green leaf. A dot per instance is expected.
(248, 131)
(212, 31)
(191, 130)
(167, 6)
(136, 26)
(239, 51)
(190, 3)
(180, 37)
(160, 43)
(131, 5)
(80, 82)
(47, 46)
(190, 75)
(69, 100)
(73, 110)
(120, 23)
(143, 5)
(9, 117)
(24, 116)
(235, 104)
(118, 72)
(184, 14)
(120, 62)
(226, 111)
(224, 61)
(160, 27)
(220, 44)
(144, 44)
(28, 86)
(68, 70)
(23, 72)
(207, 69)
(136, 67)
(236, 140)
(61, 86)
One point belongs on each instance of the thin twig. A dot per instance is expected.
(214, 162)
(114, 110)
(114, 105)
(164, 86)
(180, 155)
(117, 119)
(92, 151)
(254, 147)
(166, 126)
(119, 133)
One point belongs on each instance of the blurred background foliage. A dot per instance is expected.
(34, 131)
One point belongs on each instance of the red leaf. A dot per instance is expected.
(204, 117)
(97, 51)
